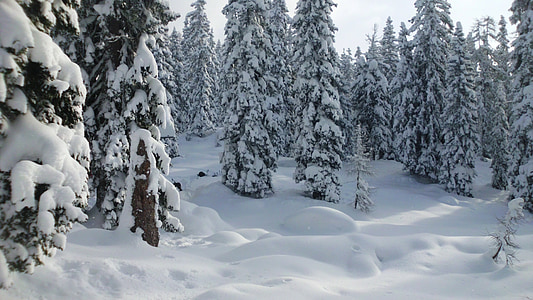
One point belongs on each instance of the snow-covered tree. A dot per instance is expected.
(402, 89)
(521, 166)
(167, 75)
(389, 50)
(249, 157)
(483, 34)
(503, 238)
(280, 72)
(125, 101)
(459, 128)
(500, 140)
(44, 157)
(347, 82)
(371, 99)
(359, 166)
(178, 106)
(199, 60)
(432, 29)
(316, 89)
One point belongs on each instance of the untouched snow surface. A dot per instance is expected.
(419, 243)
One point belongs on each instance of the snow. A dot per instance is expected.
(418, 243)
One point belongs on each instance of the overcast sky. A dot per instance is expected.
(356, 18)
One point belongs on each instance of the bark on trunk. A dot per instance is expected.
(143, 202)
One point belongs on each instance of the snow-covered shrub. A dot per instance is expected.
(504, 246)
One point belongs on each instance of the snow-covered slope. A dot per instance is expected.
(418, 243)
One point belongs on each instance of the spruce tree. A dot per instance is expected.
(389, 50)
(347, 81)
(458, 152)
(521, 165)
(126, 108)
(432, 29)
(316, 89)
(372, 101)
(249, 157)
(44, 156)
(178, 106)
(199, 61)
(402, 90)
(167, 75)
(280, 72)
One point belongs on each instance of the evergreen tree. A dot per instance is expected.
(503, 238)
(167, 75)
(359, 167)
(281, 76)
(316, 89)
(199, 55)
(402, 94)
(218, 108)
(249, 157)
(500, 138)
(521, 166)
(347, 81)
(178, 106)
(389, 50)
(459, 120)
(486, 87)
(125, 103)
(432, 28)
(44, 156)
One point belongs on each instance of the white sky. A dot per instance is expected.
(356, 18)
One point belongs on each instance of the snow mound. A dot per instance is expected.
(200, 220)
(319, 220)
(227, 238)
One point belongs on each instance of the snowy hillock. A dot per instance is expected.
(419, 242)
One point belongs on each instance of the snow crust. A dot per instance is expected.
(418, 243)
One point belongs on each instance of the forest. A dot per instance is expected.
(103, 106)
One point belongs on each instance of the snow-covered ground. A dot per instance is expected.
(419, 243)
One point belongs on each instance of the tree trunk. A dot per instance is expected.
(143, 202)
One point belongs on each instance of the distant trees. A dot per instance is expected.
(316, 86)
(359, 166)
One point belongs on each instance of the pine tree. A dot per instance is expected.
(500, 138)
(389, 50)
(218, 108)
(359, 167)
(347, 81)
(167, 75)
(125, 103)
(316, 89)
(459, 120)
(486, 87)
(44, 156)
(280, 72)
(372, 101)
(432, 27)
(402, 91)
(521, 166)
(199, 56)
(178, 106)
(249, 157)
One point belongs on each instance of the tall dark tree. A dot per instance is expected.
(249, 157)
(316, 89)
(348, 76)
(44, 156)
(521, 168)
(389, 50)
